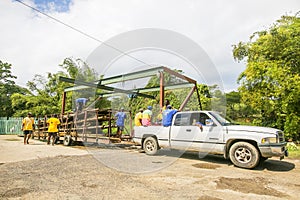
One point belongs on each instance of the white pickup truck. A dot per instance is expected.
(245, 146)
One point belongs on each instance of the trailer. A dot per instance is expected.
(89, 126)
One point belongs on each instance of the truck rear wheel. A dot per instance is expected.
(150, 146)
(244, 155)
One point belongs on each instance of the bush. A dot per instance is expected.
(291, 146)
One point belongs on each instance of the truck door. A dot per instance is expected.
(185, 133)
(182, 133)
(211, 136)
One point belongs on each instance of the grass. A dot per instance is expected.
(294, 151)
(294, 154)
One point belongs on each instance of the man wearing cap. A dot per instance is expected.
(168, 116)
(147, 114)
(27, 127)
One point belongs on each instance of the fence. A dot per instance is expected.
(10, 126)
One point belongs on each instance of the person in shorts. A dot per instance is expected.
(27, 127)
(53, 123)
(121, 116)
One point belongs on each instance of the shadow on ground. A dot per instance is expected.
(270, 165)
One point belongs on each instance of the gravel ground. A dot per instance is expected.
(40, 171)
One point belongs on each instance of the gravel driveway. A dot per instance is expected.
(40, 171)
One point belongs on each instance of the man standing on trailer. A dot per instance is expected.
(53, 123)
(138, 118)
(27, 127)
(147, 116)
(80, 103)
(168, 116)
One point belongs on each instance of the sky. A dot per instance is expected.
(36, 44)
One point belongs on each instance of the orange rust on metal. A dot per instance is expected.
(179, 75)
(187, 98)
(63, 104)
(162, 89)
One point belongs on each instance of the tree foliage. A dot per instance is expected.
(46, 92)
(7, 89)
(270, 84)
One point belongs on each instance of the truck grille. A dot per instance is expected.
(280, 136)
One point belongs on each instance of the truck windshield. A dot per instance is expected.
(220, 119)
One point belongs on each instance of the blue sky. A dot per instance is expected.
(35, 44)
(57, 5)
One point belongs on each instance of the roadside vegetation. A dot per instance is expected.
(294, 150)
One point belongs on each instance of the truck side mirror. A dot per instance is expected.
(209, 122)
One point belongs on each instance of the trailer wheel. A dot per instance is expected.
(150, 146)
(244, 155)
(67, 140)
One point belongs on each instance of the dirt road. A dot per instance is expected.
(40, 171)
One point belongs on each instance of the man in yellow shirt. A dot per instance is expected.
(27, 127)
(53, 123)
(138, 118)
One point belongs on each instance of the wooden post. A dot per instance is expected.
(84, 135)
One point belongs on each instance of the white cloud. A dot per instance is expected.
(35, 44)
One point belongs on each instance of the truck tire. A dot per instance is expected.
(67, 140)
(150, 146)
(244, 155)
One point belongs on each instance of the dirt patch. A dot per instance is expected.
(15, 192)
(206, 166)
(255, 186)
(13, 139)
(208, 198)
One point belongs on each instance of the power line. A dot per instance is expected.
(81, 32)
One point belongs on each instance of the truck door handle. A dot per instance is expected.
(188, 130)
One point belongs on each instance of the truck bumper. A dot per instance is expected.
(273, 150)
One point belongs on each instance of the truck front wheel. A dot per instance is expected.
(150, 146)
(244, 155)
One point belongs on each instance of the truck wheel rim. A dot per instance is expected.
(243, 155)
(150, 146)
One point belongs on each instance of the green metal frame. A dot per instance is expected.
(105, 82)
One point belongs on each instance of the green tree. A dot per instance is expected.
(46, 91)
(7, 89)
(270, 84)
(233, 104)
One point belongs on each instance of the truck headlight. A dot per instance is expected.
(269, 140)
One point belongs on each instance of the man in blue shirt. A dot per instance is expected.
(168, 116)
(121, 116)
(80, 103)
